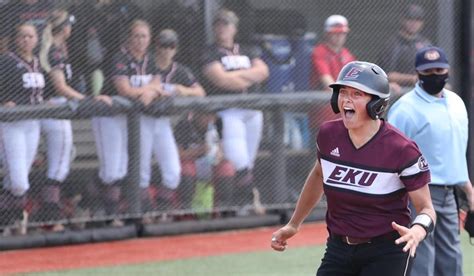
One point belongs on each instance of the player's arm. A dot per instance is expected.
(229, 80)
(468, 190)
(309, 197)
(193, 90)
(421, 200)
(124, 88)
(257, 73)
(61, 87)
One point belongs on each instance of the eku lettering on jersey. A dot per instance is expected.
(236, 62)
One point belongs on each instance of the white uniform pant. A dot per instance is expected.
(59, 147)
(157, 140)
(241, 135)
(19, 144)
(111, 140)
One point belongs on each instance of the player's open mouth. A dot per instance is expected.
(349, 112)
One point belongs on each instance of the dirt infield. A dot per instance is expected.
(151, 249)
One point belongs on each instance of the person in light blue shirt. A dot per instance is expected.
(437, 120)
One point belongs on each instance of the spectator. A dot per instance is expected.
(231, 70)
(399, 51)
(157, 137)
(22, 82)
(330, 55)
(328, 59)
(131, 75)
(54, 60)
(437, 120)
(16, 12)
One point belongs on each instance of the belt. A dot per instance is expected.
(444, 187)
(390, 236)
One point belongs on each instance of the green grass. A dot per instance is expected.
(294, 261)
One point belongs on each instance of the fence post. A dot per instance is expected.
(278, 166)
(132, 191)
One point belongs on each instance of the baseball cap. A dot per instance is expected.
(226, 16)
(414, 11)
(431, 57)
(336, 24)
(167, 37)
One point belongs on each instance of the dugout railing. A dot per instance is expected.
(275, 155)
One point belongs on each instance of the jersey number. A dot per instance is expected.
(140, 80)
(33, 80)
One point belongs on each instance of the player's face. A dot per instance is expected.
(166, 50)
(337, 39)
(224, 31)
(26, 39)
(139, 38)
(353, 105)
(412, 26)
(67, 31)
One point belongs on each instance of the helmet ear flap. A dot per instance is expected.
(334, 97)
(376, 107)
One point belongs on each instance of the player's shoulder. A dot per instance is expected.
(332, 128)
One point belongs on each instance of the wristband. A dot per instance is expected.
(424, 221)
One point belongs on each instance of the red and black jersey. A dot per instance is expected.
(231, 59)
(366, 188)
(21, 82)
(139, 72)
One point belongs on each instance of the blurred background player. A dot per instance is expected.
(22, 82)
(131, 75)
(15, 12)
(156, 134)
(398, 53)
(328, 58)
(230, 69)
(59, 141)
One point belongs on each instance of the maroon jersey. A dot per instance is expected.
(366, 188)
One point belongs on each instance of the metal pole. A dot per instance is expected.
(278, 166)
(132, 189)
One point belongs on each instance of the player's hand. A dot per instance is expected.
(411, 236)
(105, 99)
(10, 104)
(280, 237)
(148, 97)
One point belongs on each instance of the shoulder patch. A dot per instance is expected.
(423, 164)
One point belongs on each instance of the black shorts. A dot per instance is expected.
(379, 257)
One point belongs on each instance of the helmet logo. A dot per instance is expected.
(352, 74)
(432, 55)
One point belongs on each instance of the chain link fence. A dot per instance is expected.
(105, 122)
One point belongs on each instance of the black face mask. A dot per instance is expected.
(433, 84)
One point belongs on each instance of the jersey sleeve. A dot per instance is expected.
(56, 59)
(415, 173)
(119, 66)
(186, 77)
(209, 56)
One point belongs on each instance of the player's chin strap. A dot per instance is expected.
(424, 221)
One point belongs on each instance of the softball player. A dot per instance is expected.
(131, 75)
(22, 82)
(368, 171)
(156, 133)
(230, 69)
